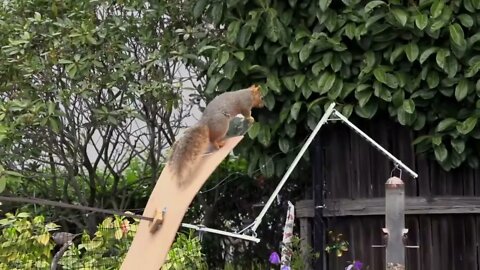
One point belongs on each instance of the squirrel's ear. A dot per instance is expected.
(255, 88)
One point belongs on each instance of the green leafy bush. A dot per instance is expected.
(26, 243)
(415, 60)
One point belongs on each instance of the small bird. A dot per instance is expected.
(61, 238)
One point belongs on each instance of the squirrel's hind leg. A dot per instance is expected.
(218, 128)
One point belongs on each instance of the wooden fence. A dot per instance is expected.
(442, 207)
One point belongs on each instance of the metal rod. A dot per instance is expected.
(114, 212)
(70, 206)
(210, 230)
(322, 121)
(375, 144)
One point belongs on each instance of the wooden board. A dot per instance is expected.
(149, 250)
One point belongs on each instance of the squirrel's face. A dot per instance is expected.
(257, 96)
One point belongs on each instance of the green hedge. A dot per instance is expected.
(416, 60)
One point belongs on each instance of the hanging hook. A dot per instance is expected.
(396, 167)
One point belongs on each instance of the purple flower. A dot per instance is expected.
(358, 265)
(285, 267)
(274, 258)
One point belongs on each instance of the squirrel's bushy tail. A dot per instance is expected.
(187, 149)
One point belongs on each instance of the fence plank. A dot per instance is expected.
(413, 206)
(443, 207)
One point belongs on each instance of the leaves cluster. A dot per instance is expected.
(86, 88)
(415, 60)
(26, 243)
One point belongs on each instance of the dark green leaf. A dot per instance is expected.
(295, 110)
(326, 82)
(373, 4)
(232, 31)
(468, 4)
(419, 122)
(289, 82)
(347, 110)
(473, 69)
(244, 36)
(347, 89)
(441, 152)
(291, 129)
(299, 79)
(380, 75)
(217, 12)
(396, 53)
(327, 59)
(284, 145)
(441, 57)
(305, 52)
(324, 4)
(422, 139)
(457, 35)
(350, 30)
(400, 15)
(380, 91)
(336, 89)
(199, 8)
(306, 92)
(369, 60)
(3, 183)
(273, 82)
(367, 111)
(437, 8)
(433, 79)
(461, 90)
(446, 124)
(230, 69)
(466, 20)
(264, 135)
(296, 46)
(224, 56)
(458, 145)
(398, 97)
(425, 54)
(363, 97)
(412, 51)
(409, 106)
(421, 21)
(452, 66)
(239, 55)
(467, 126)
(253, 130)
(437, 140)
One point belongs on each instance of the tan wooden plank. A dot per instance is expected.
(149, 250)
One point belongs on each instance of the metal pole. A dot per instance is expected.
(322, 121)
(375, 144)
(210, 230)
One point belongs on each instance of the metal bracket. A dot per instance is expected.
(405, 237)
(385, 236)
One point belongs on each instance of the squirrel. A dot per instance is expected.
(212, 128)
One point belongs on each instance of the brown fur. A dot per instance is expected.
(212, 128)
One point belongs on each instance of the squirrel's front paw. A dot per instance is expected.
(250, 119)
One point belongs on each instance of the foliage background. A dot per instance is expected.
(413, 60)
(74, 69)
